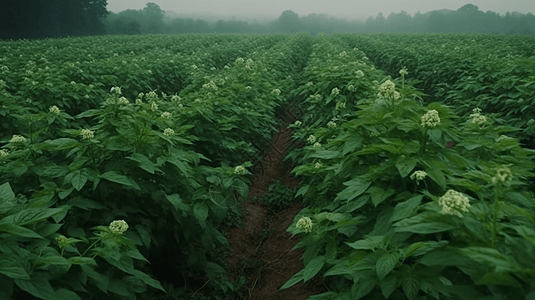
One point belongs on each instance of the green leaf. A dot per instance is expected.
(144, 162)
(18, 230)
(6, 194)
(365, 283)
(405, 165)
(498, 278)
(411, 287)
(125, 263)
(407, 208)
(84, 203)
(200, 211)
(121, 179)
(313, 267)
(63, 294)
(370, 243)
(79, 260)
(421, 248)
(12, 269)
(294, 280)
(61, 144)
(119, 287)
(437, 177)
(177, 203)
(388, 285)
(101, 281)
(424, 228)
(78, 180)
(135, 254)
(379, 194)
(355, 187)
(148, 280)
(385, 264)
(33, 215)
(37, 286)
(434, 134)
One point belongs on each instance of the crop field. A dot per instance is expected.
(125, 161)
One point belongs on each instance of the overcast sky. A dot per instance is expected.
(357, 9)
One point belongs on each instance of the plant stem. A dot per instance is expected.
(495, 217)
(86, 250)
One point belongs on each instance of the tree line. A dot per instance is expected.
(60, 18)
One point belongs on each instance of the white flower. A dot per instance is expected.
(118, 226)
(168, 132)
(54, 110)
(153, 106)
(309, 84)
(175, 98)
(331, 124)
(503, 174)
(73, 83)
(478, 119)
(122, 101)
(419, 175)
(403, 72)
(116, 89)
(340, 105)
(210, 85)
(240, 170)
(311, 139)
(276, 92)
(87, 134)
(453, 203)
(17, 139)
(317, 165)
(316, 145)
(476, 110)
(166, 115)
(247, 87)
(3, 153)
(304, 224)
(360, 74)
(430, 119)
(387, 89)
(335, 92)
(298, 123)
(239, 60)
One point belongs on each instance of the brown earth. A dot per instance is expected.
(262, 249)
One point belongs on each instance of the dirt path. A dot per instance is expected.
(262, 248)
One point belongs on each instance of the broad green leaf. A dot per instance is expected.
(365, 283)
(340, 268)
(370, 243)
(148, 280)
(294, 280)
(101, 281)
(434, 134)
(79, 260)
(84, 203)
(118, 178)
(200, 211)
(421, 248)
(119, 287)
(6, 194)
(411, 287)
(379, 195)
(405, 165)
(135, 254)
(406, 208)
(18, 230)
(388, 285)
(33, 215)
(499, 278)
(437, 177)
(424, 228)
(78, 180)
(12, 269)
(385, 264)
(177, 203)
(313, 267)
(355, 187)
(37, 286)
(63, 294)
(125, 263)
(61, 144)
(144, 162)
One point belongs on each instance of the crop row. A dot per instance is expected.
(494, 73)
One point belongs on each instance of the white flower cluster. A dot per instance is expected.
(166, 115)
(239, 60)
(477, 117)
(453, 203)
(152, 96)
(403, 72)
(304, 224)
(54, 110)
(153, 106)
(87, 134)
(276, 92)
(168, 132)
(210, 85)
(115, 89)
(240, 170)
(16, 139)
(430, 119)
(123, 101)
(309, 84)
(331, 124)
(335, 92)
(360, 74)
(316, 145)
(419, 175)
(311, 139)
(118, 226)
(316, 97)
(318, 165)
(340, 105)
(176, 98)
(3, 153)
(387, 90)
(503, 174)
(343, 53)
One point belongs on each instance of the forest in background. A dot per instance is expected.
(60, 18)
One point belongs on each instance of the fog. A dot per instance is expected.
(349, 9)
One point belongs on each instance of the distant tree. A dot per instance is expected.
(153, 18)
(289, 22)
